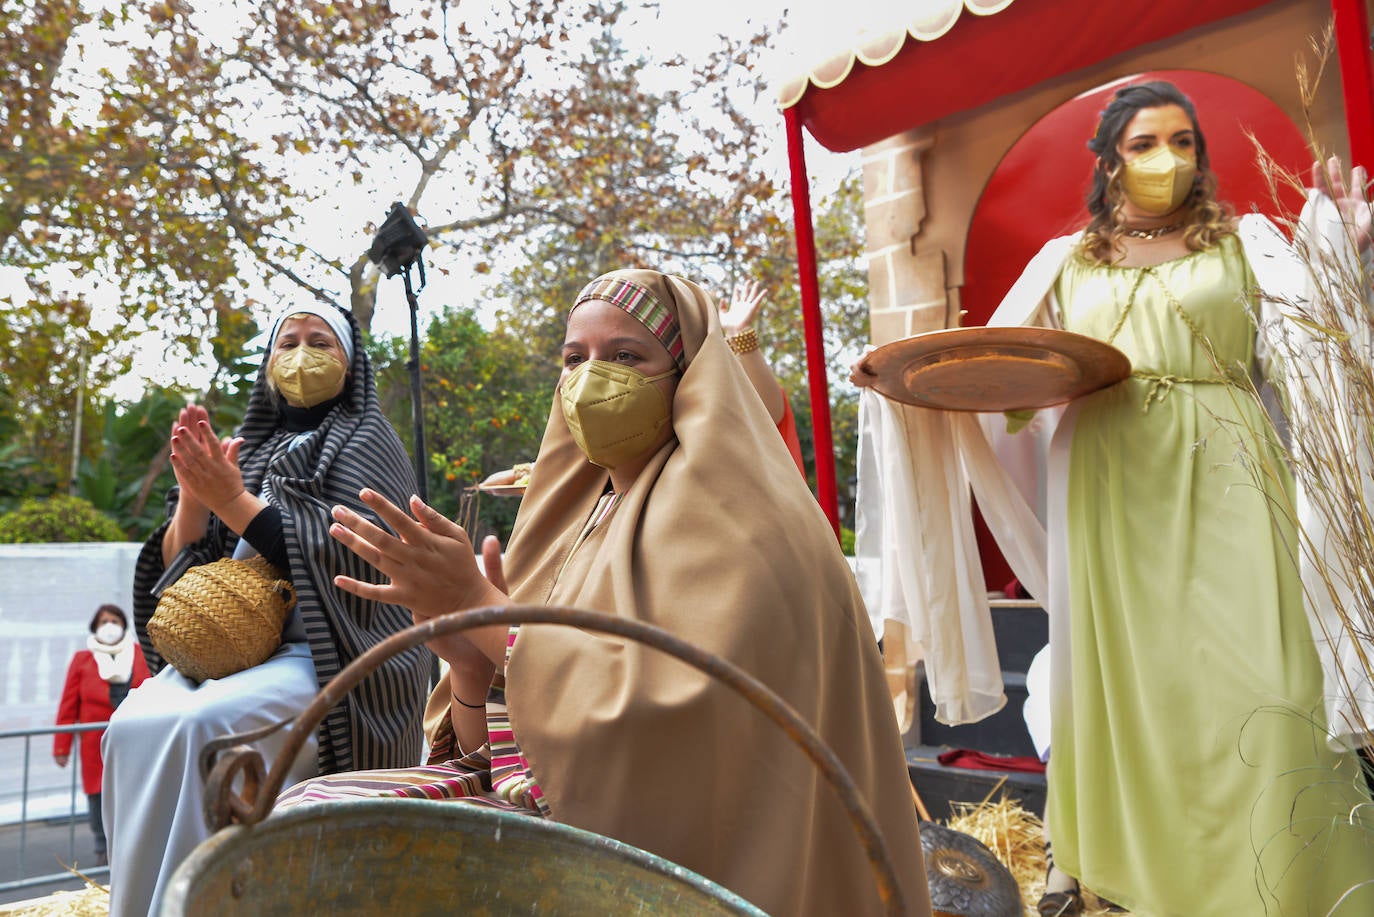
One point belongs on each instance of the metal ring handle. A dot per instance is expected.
(252, 807)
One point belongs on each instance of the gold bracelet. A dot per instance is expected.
(744, 342)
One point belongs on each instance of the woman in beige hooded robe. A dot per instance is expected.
(709, 533)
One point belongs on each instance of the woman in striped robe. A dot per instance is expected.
(312, 437)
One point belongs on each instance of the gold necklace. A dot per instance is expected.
(1155, 233)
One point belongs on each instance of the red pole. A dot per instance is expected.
(826, 493)
(1357, 78)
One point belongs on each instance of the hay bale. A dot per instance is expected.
(1015, 837)
(91, 901)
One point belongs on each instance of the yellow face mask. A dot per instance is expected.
(307, 376)
(1158, 182)
(613, 412)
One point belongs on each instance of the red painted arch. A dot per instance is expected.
(1038, 189)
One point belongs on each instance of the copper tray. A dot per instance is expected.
(995, 369)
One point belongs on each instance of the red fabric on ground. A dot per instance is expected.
(978, 760)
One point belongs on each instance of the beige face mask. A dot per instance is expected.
(307, 376)
(613, 412)
(1158, 182)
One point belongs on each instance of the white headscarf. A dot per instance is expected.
(333, 317)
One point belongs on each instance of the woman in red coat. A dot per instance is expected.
(97, 680)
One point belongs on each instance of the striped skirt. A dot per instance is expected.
(466, 779)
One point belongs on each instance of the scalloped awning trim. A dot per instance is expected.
(878, 50)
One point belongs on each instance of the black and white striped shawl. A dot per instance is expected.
(378, 724)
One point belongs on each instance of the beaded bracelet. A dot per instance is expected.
(744, 342)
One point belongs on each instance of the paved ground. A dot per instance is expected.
(48, 847)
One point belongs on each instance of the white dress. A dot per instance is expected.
(153, 798)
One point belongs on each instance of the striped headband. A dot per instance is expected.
(640, 303)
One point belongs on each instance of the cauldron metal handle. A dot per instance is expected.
(223, 807)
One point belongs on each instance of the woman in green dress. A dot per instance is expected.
(1190, 771)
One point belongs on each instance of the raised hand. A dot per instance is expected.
(739, 312)
(1351, 197)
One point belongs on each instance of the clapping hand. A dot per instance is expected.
(206, 467)
(492, 564)
(429, 562)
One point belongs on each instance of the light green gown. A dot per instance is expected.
(1191, 771)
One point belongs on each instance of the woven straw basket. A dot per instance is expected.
(222, 617)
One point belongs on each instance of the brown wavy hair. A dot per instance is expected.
(1206, 220)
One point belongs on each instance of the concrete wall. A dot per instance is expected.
(48, 593)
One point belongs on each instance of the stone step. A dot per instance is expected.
(1002, 733)
(1020, 628)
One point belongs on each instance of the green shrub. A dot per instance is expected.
(57, 519)
(847, 541)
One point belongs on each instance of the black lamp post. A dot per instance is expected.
(396, 249)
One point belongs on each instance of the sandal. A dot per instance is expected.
(1064, 903)
(1060, 904)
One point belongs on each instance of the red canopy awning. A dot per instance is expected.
(906, 78)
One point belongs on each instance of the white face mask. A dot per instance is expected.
(109, 633)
